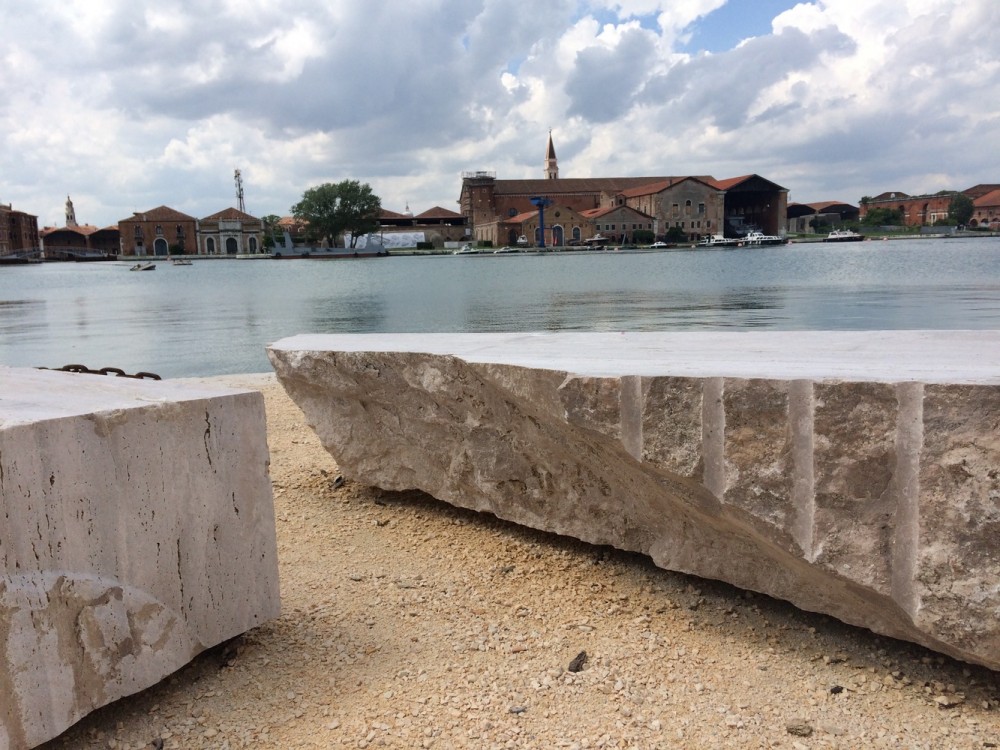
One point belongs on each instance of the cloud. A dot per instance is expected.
(128, 104)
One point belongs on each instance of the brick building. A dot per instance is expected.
(916, 210)
(156, 231)
(986, 210)
(18, 232)
(699, 205)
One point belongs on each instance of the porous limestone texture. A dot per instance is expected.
(137, 531)
(851, 473)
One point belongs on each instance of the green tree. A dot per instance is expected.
(961, 208)
(883, 217)
(332, 209)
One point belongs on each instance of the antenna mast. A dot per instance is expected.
(239, 192)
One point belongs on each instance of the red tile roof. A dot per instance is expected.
(990, 199)
(230, 214)
(160, 213)
(438, 213)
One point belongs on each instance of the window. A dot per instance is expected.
(159, 231)
(612, 227)
(676, 209)
(512, 212)
(701, 208)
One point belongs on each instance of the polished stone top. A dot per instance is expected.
(29, 395)
(879, 356)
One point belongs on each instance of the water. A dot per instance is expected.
(217, 316)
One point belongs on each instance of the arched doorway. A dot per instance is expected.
(557, 236)
(253, 244)
(210, 246)
(512, 237)
(576, 234)
(160, 246)
(232, 247)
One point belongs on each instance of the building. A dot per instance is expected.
(804, 218)
(75, 241)
(915, 210)
(986, 210)
(698, 205)
(615, 223)
(230, 232)
(18, 232)
(159, 231)
(166, 231)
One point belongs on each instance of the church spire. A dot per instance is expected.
(551, 163)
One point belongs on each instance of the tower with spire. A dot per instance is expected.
(551, 164)
(70, 213)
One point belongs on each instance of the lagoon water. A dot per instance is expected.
(217, 316)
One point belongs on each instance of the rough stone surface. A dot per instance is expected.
(844, 472)
(138, 530)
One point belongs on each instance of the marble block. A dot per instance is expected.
(851, 473)
(138, 530)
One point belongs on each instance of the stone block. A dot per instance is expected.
(138, 531)
(851, 473)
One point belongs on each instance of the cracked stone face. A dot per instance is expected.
(843, 472)
(138, 531)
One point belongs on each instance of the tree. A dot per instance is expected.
(883, 217)
(961, 208)
(332, 209)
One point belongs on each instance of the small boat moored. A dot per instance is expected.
(759, 238)
(718, 240)
(466, 249)
(844, 235)
(182, 262)
(146, 266)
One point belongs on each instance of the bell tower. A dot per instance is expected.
(551, 163)
(70, 213)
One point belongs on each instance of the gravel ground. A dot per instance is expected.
(411, 624)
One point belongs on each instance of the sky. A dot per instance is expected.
(126, 105)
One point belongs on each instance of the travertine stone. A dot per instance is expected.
(138, 530)
(850, 473)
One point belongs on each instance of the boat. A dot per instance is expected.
(660, 244)
(522, 241)
(146, 266)
(844, 235)
(466, 249)
(506, 249)
(598, 240)
(718, 240)
(182, 262)
(759, 238)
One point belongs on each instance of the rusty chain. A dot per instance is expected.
(117, 372)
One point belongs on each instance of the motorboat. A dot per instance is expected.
(182, 262)
(466, 249)
(506, 249)
(522, 241)
(759, 238)
(718, 240)
(145, 266)
(844, 235)
(660, 244)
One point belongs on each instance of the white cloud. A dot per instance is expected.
(129, 103)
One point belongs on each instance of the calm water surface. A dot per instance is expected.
(217, 316)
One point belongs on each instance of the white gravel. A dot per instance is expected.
(411, 624)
